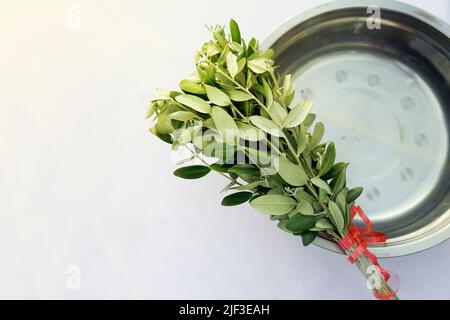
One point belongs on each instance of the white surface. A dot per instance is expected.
(82, 182)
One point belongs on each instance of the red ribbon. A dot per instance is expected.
(361, 237)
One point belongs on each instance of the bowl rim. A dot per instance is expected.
(432, 237)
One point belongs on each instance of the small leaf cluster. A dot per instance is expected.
(237, 89)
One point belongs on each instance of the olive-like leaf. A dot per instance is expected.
(338, 183)
(341, 200)
(249, 132)
(353, 194)
(298, 114)
(266, 125)
(192, 172)
(309, 120)
(238, 95)
(196, 103)
(217, 96)
(321, 184)
(232, 65)
(301, 223)
(324, 223)
(275, 191)
(302, 195)
(163, 136)
(328, 159)
(336, 215)
(225, 124)
(257, 65)
(335, 170)
(182, 115)
(302, 139)
(267, 93)
(292, 173)
(241, 64)
(236, 198)
(275, 205)
(235, 32)
(323, 196)
(308, 237)
(244, 169)
(317, 135)
(277, 113)
(305, 208)
(191, 87)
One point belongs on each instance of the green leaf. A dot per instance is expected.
(328, 159)
(338, 183)
(277, 113)
(323, 196)
(267, 93)
(249, 132)
(192, 172)
(321, 184)
(234, 30)
(353, 194)
(259, 156)
(236, 47)
(336, 215)
(241, 64)
(302, 139)
(288, 90)
(209, 123)
(308, 237)
(217, 96)
(196, 103)
(163, 136)
(310, 118)
(293, 213)
(244, 169)
(182, 116)
(302, 195)
(275, 190)
(275, 205)
(232, 65)
(325, 224)
(305, 208)
(292, 173)
(341, 200)
(236, 198)
(317, 135)
(164, 126)
(335, 170)
(298, 114)
(257, 65)
(266, 125)
(225, 124)
(238, 95)
(191, 87)
(282, 225)
(301, 223)
(223, 56)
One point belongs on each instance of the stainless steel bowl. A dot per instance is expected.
(384, 97)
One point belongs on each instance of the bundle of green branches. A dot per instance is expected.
(237, 109)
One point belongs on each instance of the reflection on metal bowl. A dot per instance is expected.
(384, 96)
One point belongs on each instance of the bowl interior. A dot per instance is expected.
(384, 96)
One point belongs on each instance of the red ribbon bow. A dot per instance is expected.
(361, 237)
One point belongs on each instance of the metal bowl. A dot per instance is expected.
(384, 97)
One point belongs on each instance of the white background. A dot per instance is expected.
(83, 183)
